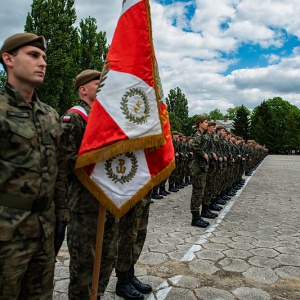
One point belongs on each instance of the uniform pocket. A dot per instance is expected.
(16, 141)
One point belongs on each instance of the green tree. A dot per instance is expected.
(177, 108)
(241, 123)
(271, 124)
(54, 20)
(3, 78)
(291, 137)
(231, 112)
(215, 115)
(92, 46)
(262, 126)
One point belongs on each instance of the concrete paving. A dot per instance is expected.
(250, 252)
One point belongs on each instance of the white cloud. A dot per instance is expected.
(190, 52)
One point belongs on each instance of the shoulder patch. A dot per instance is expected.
(66, 119)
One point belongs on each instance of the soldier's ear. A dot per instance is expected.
(7, 59)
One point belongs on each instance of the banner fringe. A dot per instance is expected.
(118, 212)
(117, 148)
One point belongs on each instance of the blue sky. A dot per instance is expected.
(221, 53)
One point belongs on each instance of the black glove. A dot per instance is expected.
(59, 235)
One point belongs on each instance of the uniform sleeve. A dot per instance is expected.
(61, 185)
(197, 146)
(73, 128)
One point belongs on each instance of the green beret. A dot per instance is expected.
(219, 127)
(85, 77)
(211, 123)
(175, 132)
(199, 119)
(19, 40)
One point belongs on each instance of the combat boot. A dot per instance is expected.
(155, 194)
(198, 221)
(219, 200)
(162, 192)
(207, 213)
(125, 289)
(163, 189)
(172, 188)
(137, 284)
(214, 206)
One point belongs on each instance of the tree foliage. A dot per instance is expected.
(70, 50)
(231, 112)
(92, 45)
(215, 115)
(271, 125)
(178, 109)
(241, 123)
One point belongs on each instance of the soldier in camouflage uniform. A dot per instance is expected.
(33, 181)
(209, 203)
(199, 167)
(83, 205)
(132, 236)
(173, 176)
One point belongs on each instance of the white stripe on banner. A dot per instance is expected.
(113, 92)
(128, 3)
(122, 177)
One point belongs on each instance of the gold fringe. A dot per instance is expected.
(109, 204)
(117, 148)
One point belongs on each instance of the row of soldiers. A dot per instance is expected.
(229, 158)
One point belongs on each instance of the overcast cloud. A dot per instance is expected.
(221, 53)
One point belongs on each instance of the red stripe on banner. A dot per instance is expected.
(133, 30)
(101, 130)
(158, 159)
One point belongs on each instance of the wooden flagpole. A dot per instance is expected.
(98, 252)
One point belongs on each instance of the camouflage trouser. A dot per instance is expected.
(198, 183)
(132, 234)
(209, 186)
(81, 243)
(27, 269)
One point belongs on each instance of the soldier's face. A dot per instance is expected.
(27, 66)
(203, 125)
(91, 88)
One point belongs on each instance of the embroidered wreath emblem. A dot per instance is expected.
(125, 107)
(115, 175)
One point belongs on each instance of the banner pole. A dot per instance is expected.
(98, 252)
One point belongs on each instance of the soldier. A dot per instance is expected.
(199, 167)
(33, 183)
(209, 203)
(83, 205)
(132, 236)
(173, 175)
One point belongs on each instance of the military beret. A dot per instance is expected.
(211, 123)
(219, 127)
(85, 77)
(19, 40)
(250, 141)
(175, 132)
(199, 119)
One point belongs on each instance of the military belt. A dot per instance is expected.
(34, 205)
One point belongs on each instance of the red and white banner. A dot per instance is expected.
(121, 181)
(126, 118)
(125, 115)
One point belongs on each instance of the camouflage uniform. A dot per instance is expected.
(82, 231)
(132, 234)
(32, 195)
(199, 167)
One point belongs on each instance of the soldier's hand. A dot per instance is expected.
(59, 235)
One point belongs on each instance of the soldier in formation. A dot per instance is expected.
(33, 181)
(84, 207)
